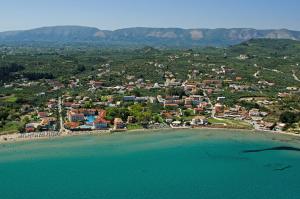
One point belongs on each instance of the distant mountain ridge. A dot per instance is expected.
(171, 37)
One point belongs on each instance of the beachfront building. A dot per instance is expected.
(100, 123)
(118, 123)
(71, 125)
(75, 117)
(199, 121)
(29, 127)
(47, 123)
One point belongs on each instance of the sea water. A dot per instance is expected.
(160, 164)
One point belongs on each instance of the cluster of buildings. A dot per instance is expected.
(86, 119)
(43, 121)
(202, 99)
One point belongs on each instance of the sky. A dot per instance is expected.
(115, 14)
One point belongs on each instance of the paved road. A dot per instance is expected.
(213, 112)
(295, 77)
(62, 128)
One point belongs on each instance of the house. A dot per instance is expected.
(71, 125)
(96, 84)
(170, 105)
(263, 114)
(212, 83)
(141, 99)
(239, 87)
(100, 123)
(279, 127)
(118, 123)
(283, 95)
(168, 116)
(160, 99)
(198, 110)
(291, 88)
(219, 108)
(68, 104)
(130, 120)
(243, 57)
(188, 101)
(221, 99)
(194, 100)
(88, 111)
(129, 98)
(75, 105)
(254, 112)
(152, 100)
(29, 128)
(188, 106)
(172, 101)
(102, 113)
(52, 104)
(75, 117)
(176, 124)
(85, 112)
(203, 104)
(199, 121)
(47, 121)
(42, 114)
(190, 87)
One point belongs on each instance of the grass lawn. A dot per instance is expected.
(231, 123)
(134, 126)
(9, 128)
(9, 99)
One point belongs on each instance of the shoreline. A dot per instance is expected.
(17, 137)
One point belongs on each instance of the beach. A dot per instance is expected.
(19, 137)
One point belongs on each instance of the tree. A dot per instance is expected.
(80, 68)
(136, 92)
(3, 114)
(114, 112)
(158, 119)
(144, 117)
(26, 120)
(188, 113)
(88, 104)
(289, 117)
(176, 91)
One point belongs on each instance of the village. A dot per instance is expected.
(194, 104)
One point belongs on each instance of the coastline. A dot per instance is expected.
(18, 137)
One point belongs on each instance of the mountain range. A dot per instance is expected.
(142, 36)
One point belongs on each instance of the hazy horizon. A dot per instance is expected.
(167, 27)
(117, 14)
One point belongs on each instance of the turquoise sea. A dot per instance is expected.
(167, 164)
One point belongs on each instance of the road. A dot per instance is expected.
(62, 128)
(213, 111)
(295, 77)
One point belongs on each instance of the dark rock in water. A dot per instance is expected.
(283, 168)
(280, 148)
(278, 167)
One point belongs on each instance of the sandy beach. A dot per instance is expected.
(18, 137)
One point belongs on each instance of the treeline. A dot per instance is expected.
(37, 75)
(6, 71)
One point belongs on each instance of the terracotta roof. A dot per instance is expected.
(72, 124)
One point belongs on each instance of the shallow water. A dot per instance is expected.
(168, 164)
